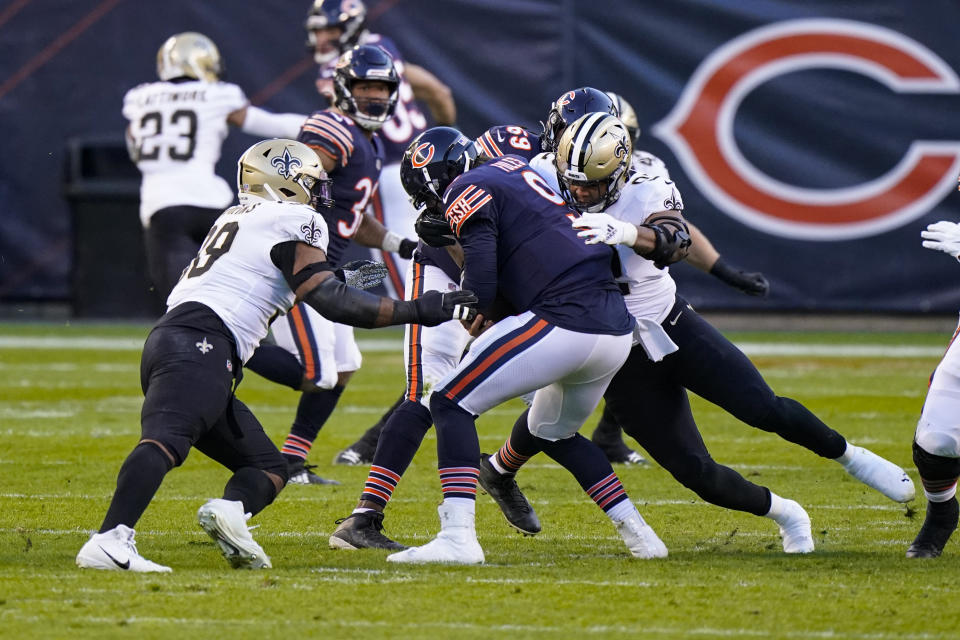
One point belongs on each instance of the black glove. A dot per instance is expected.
(750, 282)
(407, 248)
(362, 274)
(433, 307)
(434, 229)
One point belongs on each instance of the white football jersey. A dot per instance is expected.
(233, 273)
(652, 290)
(649, 164)
(178, 129)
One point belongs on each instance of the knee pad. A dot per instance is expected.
(176, 444)
(934, 467)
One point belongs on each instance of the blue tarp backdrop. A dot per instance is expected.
(811, 140)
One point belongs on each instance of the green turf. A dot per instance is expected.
(69, 416)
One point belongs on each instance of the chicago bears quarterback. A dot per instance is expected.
(312, 354)
(936, 444)
(677, 349)
(569, 336)
(177, 127)
(259, 258)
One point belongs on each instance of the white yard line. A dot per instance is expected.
(374, 345)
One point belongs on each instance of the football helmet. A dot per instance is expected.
(365, 63)
(189, 55)
(594, 151)
(627, 115)
(349, 15)
(570, 106)
(432, 161)
(283, 170)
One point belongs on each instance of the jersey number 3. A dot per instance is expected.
(183, 121)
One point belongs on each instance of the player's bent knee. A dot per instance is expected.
(933, 466)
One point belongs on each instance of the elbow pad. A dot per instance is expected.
(334, 300)
(263, 123)
(673, 240)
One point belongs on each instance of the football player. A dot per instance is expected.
(936, 445)
(312, 354)
(177, 127)
(678, 350)
(518, 245)
(259, 258)
(334, 26)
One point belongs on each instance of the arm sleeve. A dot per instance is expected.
(272, 125)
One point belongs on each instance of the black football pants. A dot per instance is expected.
(172, 241)
(649, 400)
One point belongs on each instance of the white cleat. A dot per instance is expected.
(640, 538)
(455, 544)
(116, 550)
(226, 523)
(794, 527)
(878, 473)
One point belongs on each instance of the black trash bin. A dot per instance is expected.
(109, 278)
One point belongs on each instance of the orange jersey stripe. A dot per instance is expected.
(309, 364)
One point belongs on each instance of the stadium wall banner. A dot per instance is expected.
(811, 141)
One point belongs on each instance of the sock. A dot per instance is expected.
(277, 365)
(312, 412)
(140, 476)
(252, 487)
(519, 447)
(777, 505)
(399, 442)
(622, 510)
(589, 465)
(370, 438)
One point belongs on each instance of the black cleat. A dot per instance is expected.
(934, 534)
(362, 531)
(505, 492)
(302, 473)
(355, 455)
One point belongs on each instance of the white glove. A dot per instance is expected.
(943, 236)
(602, 227)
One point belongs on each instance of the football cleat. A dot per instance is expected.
(362, 531)
(640, 538)
(354, 455)
(302, 473)
(505, 492)
(226, 523)
(794, 527)
(455, 544)
(878, 473)
(116, 550)
(934, 534)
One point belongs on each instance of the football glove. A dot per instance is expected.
(943, 236)
(362, 274)
(407, 247)
(433, 229)
(602, 227)
(752, 283)
(433, 307)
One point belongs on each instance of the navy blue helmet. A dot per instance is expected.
(365, 63)
(571, 106)
(432, 161)
(349, 15)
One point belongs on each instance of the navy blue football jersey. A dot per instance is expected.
(355, 177)
(408, 120)
(518, 243)
(506, 139)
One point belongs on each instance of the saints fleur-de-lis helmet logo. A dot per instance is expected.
(285, 163)
(621, 150)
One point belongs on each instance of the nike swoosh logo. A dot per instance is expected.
(122, 565)
(673, 322)
(499, 137)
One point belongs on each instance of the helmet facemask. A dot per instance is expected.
(284, 171)
(366, 63)
(349, 16)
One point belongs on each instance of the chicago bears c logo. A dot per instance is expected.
(285, 163)
(566, 98)
(422, 155)
(699, 130)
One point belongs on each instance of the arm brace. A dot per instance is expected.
(336, 301)
(672, 243)
(272, 125)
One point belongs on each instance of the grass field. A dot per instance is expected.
(69, 414)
